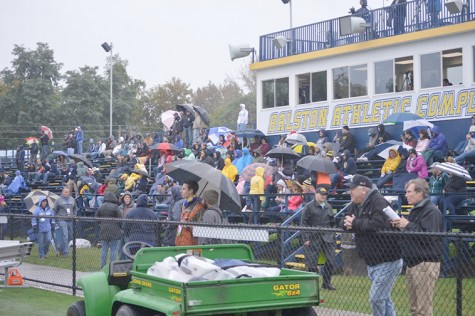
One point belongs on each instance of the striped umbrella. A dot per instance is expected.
(250, 171)
(453, 169)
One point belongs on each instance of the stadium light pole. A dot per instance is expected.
(291, 31)
(108, 48)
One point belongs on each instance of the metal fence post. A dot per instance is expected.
(74, 255)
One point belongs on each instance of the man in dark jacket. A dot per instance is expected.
(380, 252)
(319, 213)
(347, 141)
(422, 254)
(110, 231)
(20, 158)
(146, 232)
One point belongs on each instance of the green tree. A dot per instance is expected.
(30, 94)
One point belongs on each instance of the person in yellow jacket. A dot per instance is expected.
(229, 170)
(389, 167)
(257, 187)
(131, 181)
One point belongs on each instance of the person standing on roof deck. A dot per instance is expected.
(242, 118)
(79, 134)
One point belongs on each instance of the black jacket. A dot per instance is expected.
(313, 215)
(109, 230)
(424, 217)
(347, 142)
(146, 232)
(369, 218)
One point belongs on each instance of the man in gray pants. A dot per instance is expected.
(64, 206)
(319, 213)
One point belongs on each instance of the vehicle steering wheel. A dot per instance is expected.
(131, 248)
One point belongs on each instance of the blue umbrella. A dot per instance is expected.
(215, 132)
(400, 117)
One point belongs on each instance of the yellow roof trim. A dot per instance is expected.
(377, 43)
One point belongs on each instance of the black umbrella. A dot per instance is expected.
(282, 152)
(77, 157)
(91, 182)
(207, 178)
(314, 163)
(184, 108)
(202, 112)
(141, 172)
(60, 153)
(249, 133)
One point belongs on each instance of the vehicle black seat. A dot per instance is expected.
(119, 273)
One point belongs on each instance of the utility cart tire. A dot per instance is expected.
(303, 311)
(77, 309)
(127, 310)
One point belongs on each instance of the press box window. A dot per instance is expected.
(312, 87)
(404, 68)
(384, 76)
(341, 83)
(431, 70)
(358, 81)
(452, 69)
(275, 93)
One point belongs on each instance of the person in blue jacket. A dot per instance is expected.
(79, 135)
(42, 226)
(18, 184)
(438, 144)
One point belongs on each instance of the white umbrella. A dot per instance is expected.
(416, 123)
(452, 168)
(296, 138)
(385, 153)
(168, 117)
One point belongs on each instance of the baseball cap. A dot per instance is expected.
(359, 180)
(211, 196)
(321, 189)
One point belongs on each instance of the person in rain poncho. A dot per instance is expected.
(42, 226)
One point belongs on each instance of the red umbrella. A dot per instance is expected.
(47, 131)
(30, 140)
(164, 147)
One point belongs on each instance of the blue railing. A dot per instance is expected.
(313, 37)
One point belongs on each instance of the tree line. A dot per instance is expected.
(34, 91)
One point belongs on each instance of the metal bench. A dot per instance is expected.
(12, 253)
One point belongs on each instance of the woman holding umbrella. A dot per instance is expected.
(42, 226)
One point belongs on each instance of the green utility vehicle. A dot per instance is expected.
(124, 288)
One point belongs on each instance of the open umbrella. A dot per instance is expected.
(296, 138)
(452, 168)
(60, 153)
(416, 123)
(185, 107)
(282, 153)
(30, 140)
(400, 117)
(250, 171)
(203, 113)
(298, 148)
(91, 182)
(250, 133)
(47, 131)
(314, 163)
(77, 158)
(165, 147)
(32, 198)
(168, 118)
(141, 172)
(385, 153)
(207, 178)
(215, 132)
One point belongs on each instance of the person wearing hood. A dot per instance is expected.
(258, 157)
(416, 164)
(18, 184)
(126, 204)
(367, 152)
(192, 210)
(282, 191)
(349, 164)
(218, 160)
(189, 155)
(257, 189)
(79, 135)
(42, 226)
(178, 142)
(242, 118)
(438, 144)
(383, 136)
(389, 167)
(143, 231)
(109, 231)
(244, 161)
(323, 138)
(229, 170)
(237, 155)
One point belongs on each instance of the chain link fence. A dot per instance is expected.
(274, 244)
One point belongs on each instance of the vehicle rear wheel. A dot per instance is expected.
(303, 311)
(77, 309)
(127, 310)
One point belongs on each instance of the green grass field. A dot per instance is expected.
(31, 301)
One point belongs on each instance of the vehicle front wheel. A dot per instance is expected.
(77, 309)
(303, 311)
(127, 310)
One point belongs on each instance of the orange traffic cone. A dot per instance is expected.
(14, 277)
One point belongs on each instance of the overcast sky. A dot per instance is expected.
(160, 39)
